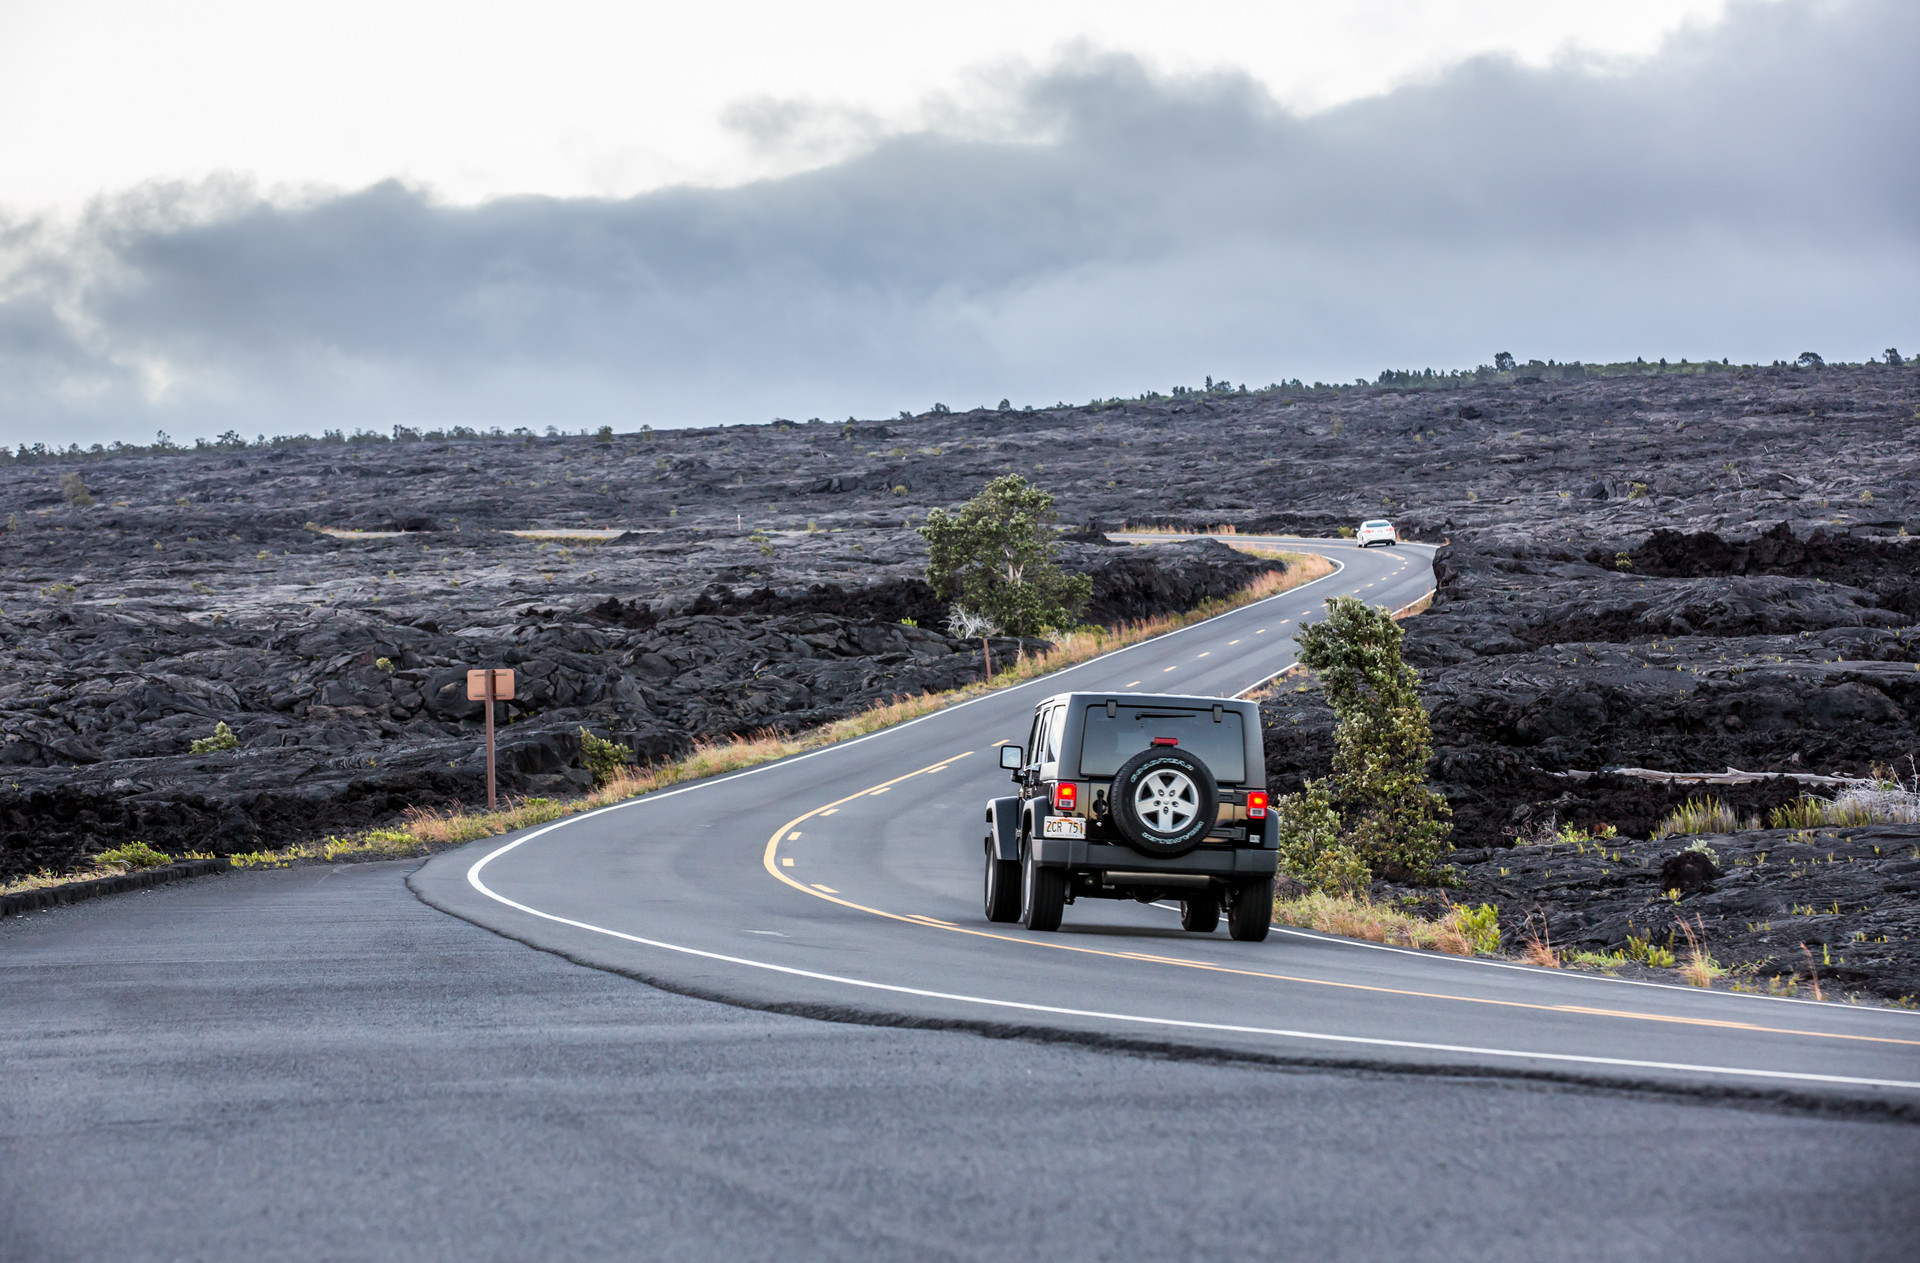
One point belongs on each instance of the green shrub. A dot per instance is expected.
(74, 489)
(131, 857)
(1382, 743)
(1310, 845)
(995, 559)
(222, 739)
(1481, 926)
(603, 758)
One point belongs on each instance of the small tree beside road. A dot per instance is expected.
(1375, 815)
(992, 562)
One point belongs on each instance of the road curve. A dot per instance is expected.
(845, 883)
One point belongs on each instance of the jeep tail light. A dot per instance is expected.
(1065, 796)
(1256, 805)
(1166, 741)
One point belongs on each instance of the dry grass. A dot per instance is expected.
(130, 858)
(1703, 815)
(375, 844)
(445, 828)
(1418, 606)
(1537, 947)
(43, 880)
(1538, 952)
(712, 759)
(1461, 932)
(425, 830)
(1884, 803)
(1699, 968)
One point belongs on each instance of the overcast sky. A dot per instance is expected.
(279, 218)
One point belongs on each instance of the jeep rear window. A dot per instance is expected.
(1107, 743)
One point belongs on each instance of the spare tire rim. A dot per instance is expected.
(1166, 801)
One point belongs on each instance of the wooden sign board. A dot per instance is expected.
(502, 684)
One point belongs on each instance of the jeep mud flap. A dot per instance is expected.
(1003, 828)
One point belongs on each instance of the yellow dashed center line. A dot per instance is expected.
(787, 862)
(831, 895)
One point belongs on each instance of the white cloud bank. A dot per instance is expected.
(1747, 192)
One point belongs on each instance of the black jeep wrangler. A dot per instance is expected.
(1136, 796)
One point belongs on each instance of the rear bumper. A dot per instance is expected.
(1081, 855)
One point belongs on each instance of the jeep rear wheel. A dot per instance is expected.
(1043, 891)
(1164, 801)
(1200, 914)
(1251, 915)
(1002, 887)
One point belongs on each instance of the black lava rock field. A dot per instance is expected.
(1682, 569)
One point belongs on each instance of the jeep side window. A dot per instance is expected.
(1056, 724)
(1033, 739)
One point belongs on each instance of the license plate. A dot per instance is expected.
(1064, 827)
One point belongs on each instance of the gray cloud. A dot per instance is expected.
(1750, 192)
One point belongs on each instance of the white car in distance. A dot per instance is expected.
(1382, 532)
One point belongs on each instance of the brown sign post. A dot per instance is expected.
(490, 685)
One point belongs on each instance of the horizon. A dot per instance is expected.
(1401, 380)
(1052, 210)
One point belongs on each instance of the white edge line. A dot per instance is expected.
(473, 878)
(944, 710)
(1481, 962)
(842, 745)
(1497, 964)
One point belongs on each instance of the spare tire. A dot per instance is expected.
(1163, 801)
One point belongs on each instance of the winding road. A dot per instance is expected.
(845, 883)
(313, 1064)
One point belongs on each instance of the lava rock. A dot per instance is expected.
(1688, 872)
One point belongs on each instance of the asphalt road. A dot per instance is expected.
(846, 883)
(314, 1064)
